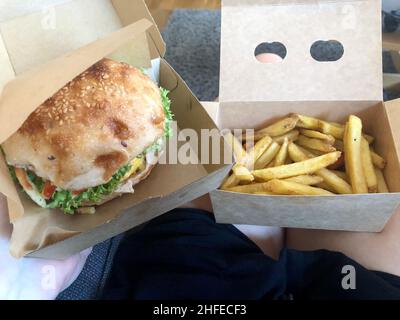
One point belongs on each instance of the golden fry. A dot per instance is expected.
(307, 180)
(282, 154)
(377, 160)
(230, 182)
(315, 144)
(341, 174)
(325, 186)
(298, 168)
(239, 153)
(317, 135)
(382, 186)
(242, 173)
(281, 127)
(335, 182)
(250, 188)
(327, 128)
(259, 148)
(352, 147)
(292, 188)
(291, 136)
(331, 129)
(368, 167)
(307, 122)
(267, 156)
(255, 136)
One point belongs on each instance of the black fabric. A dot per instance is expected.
(185, 255)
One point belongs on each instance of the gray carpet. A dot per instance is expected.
(193, 42)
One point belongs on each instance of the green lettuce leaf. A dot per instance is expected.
(64, 199)
(166, 102)
(38, 182)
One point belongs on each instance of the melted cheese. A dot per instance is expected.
(136, 164)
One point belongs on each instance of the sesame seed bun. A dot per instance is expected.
(89, 129)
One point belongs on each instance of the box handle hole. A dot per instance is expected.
(327, 51)
(270, 52)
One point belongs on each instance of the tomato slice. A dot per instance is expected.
(78, 192)
(48, 190)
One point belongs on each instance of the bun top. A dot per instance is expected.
(90, 128)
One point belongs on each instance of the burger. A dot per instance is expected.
(94, 140)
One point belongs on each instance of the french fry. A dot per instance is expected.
(281, 127)
(292, 188)
(330, 178)
(325, 186)
(256, 136)
(230, 182)
(331, 129)
(341, 174)
(242, 173)
(382, 186)
(307, 180)
(323, 126)
(368, 167)
(291, 136)
(352, 147)
(250, 188)
(259, 148)
(264, 193)
(336, 124)
(282, 154)
(377, 160)
(239, 153)
(317, 135)
(307, 122)
(267, 156)
(314, 153)
(298, 168)
(315, 144)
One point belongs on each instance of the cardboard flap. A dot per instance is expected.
(298, 25)
(393, 114)
(29, 90)
(134, 10)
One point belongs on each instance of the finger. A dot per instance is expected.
(5, 226)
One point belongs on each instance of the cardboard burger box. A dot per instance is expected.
(39, 54)
(253, 95)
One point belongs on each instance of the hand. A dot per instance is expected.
(30, 278)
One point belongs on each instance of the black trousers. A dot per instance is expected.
(184, 254)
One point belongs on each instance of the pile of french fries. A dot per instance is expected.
(301, 155)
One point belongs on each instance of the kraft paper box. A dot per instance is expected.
(36, 61)
(254, 94)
